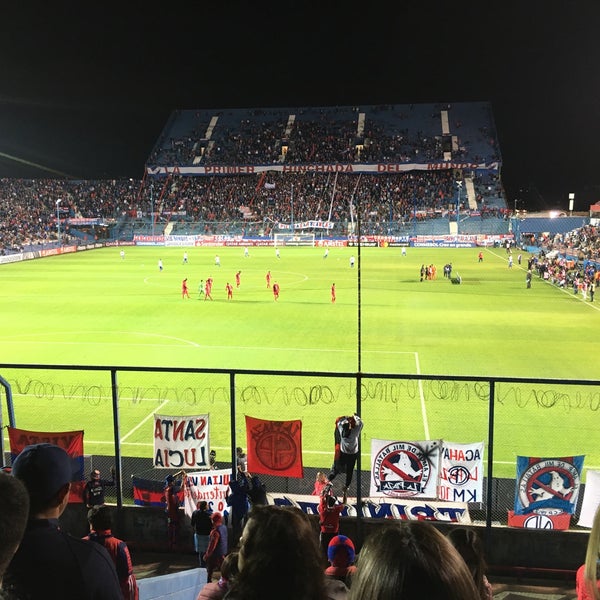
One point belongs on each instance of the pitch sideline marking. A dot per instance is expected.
(143, 421)
(422, 398)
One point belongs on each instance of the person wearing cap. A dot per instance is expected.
(217, 546)
(93, 492)
(50, 563)
(341, 554)
(100, 522)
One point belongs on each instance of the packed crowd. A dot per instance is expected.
(584, 243)
(29, 208)
(319, 136)
(582, 277)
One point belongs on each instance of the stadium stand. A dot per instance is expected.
(403, 170)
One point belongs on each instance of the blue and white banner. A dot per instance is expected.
(383, 508)
(548, 486)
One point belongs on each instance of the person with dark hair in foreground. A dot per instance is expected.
(14, 508)
(411, 560)
(278, 557)
(469, 546)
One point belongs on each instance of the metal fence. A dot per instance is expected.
(530, 417)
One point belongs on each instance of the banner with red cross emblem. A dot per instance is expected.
(274, 447)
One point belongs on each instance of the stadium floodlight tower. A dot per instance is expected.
(58, 219)
(459, 184)
(152, 206)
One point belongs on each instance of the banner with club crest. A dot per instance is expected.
(405, 469)
(547, 492)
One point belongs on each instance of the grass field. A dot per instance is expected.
(93, 308)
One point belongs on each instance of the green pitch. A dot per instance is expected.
(95, 308)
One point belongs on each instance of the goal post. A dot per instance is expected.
(297, 238)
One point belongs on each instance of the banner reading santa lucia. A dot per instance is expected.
(181, 442)
(404, 469)
(461, 472)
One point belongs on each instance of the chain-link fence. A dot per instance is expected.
(512, 417)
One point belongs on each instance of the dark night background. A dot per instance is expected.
(86, 90)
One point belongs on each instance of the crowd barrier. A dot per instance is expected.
(511, 419)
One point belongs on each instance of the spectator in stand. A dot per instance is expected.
(101, 532)
(217, 545)
(346, 438)
(278, 556)
(202, 525)
(588, 574)
(241, 460)
(257, 491)
(411, 560)
(341, 554)
(320, 482)
(469, 546)
(329, 517)
(215, 590)
(173, 502)
(93, 492)
(237, 499)
(14, 508)
(49, 562)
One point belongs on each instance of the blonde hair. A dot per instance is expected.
(591, 558)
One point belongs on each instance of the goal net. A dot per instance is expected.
(294, 239)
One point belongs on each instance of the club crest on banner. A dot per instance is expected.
(404, 469)
(548, 486)
(547, 492)
(274, 447)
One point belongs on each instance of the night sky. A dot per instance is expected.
(86, 91)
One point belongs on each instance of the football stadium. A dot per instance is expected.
(274, 269)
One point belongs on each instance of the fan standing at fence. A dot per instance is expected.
(93, 492)
(329, 517)
(173, 501)
(347, 437)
